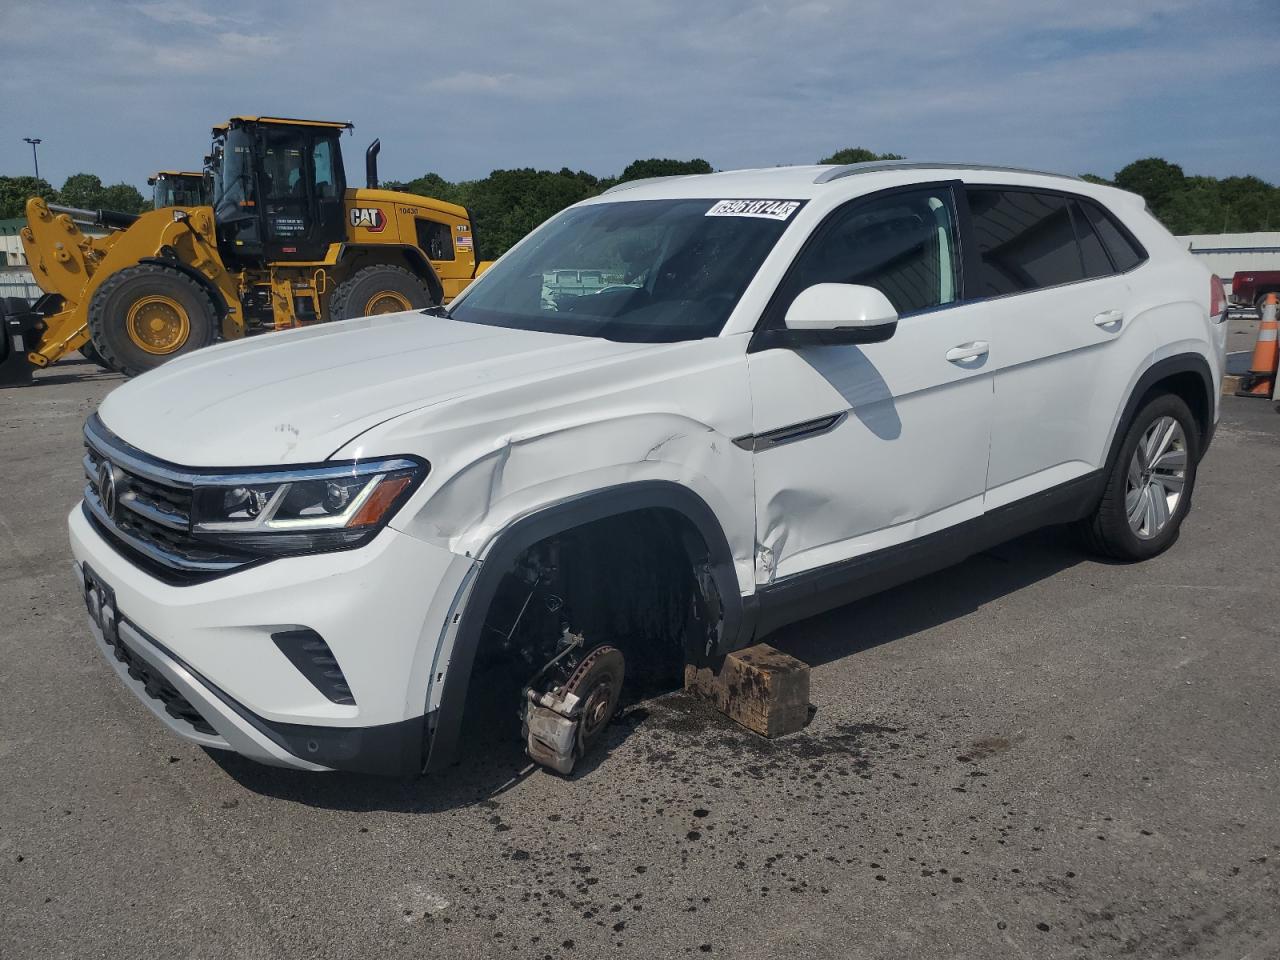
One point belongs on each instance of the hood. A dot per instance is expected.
(298, 396)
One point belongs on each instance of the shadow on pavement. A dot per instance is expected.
(493, 758)
(931, 600)
(73, 369)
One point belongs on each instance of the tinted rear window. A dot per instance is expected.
(1025, 241)
(1125, 253)
(1096, 261)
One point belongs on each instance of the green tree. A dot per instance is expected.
(507, 204)
(1194, 210)
(15, 191)
(859, 155)
(82, 190)
(1157, 180)
(661, 167)
(1094, 178)
(1194, 204)
(428, 185)
(122, 197)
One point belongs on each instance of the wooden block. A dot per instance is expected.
(761, 688)
(1230, 384)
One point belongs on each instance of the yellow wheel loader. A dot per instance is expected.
(180, 188)
(284, 243)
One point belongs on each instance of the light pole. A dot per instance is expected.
(35, 158)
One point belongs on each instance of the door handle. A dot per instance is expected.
(1108, 317)
(969, 351)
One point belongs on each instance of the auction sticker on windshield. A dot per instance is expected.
(765, 209)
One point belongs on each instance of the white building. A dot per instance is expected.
(11, 254)
(1226, 253)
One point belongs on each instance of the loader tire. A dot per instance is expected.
(378, 289)
(145, 315)
(90, 353)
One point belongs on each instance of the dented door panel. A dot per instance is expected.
(906, 456)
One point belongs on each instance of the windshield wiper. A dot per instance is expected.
(438, 310)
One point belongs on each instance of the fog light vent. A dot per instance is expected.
(308, 652)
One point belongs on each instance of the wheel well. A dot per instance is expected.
(215, 295)
(1189, 386)
(396, 255)
(637, 580)
(632, 540)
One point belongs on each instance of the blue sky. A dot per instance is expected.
(122, 88)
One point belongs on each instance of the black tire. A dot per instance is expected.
(360, 291)
(1107, 531)
(109, 312)
(90, 353)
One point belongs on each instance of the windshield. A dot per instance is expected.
(178, 192)
(644, 270)
(235, 176)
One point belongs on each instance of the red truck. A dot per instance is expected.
(1250, 287)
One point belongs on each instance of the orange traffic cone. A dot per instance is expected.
(1261, 378)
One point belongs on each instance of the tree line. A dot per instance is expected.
(1199, 204)
(84, 190)
(507, 204)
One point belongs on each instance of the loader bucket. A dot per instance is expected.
(18, 333)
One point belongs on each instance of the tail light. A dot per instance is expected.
(1217, 297)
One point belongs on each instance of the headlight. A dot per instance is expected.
(327, 507)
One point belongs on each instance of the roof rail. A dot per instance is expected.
(627, 185)
(879, 166)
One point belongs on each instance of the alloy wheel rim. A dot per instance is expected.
(1156, 478)
(158, 324)
(386, 301)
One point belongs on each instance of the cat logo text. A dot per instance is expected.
(371, 218)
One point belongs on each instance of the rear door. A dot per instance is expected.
(1062, 346)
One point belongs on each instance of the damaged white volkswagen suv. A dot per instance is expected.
(673, 418)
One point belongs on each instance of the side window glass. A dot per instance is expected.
(1124, 252)
(1025, 241)
(323, 161)
(1096, 261)
(903, 244)
(435, 238)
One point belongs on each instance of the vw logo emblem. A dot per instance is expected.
(107, 488)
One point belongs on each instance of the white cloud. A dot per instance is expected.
(177, 12)
(461, 89)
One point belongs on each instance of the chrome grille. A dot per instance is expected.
(146, 510)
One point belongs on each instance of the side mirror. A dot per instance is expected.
(832, 313)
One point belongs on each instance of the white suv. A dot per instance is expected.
(671, 419)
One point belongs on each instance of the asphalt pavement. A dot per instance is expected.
(1032, 755)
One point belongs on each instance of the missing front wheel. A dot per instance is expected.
(569, 703)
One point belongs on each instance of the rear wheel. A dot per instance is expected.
(1148, 491)
(378, 289)
(147, 314)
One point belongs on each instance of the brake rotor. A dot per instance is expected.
(597, 683)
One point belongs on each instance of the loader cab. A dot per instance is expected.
(179, 188)
(279, 187)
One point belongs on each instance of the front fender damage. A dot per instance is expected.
(522, 473)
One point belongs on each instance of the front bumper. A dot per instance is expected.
(381, 609)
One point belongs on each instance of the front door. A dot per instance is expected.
(858, 448)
